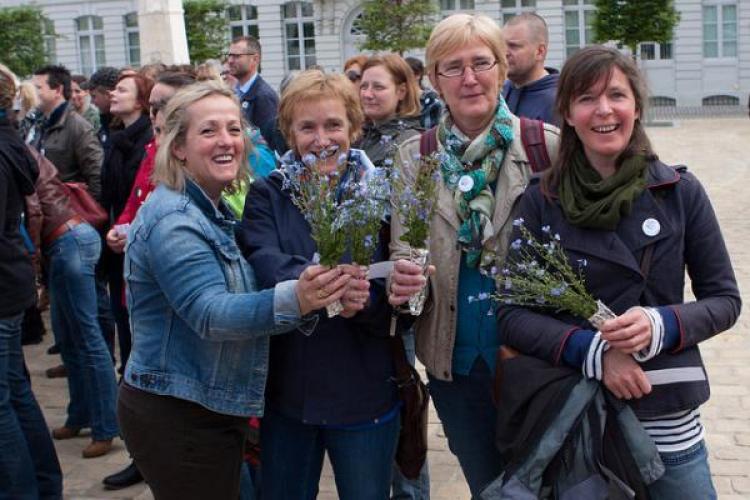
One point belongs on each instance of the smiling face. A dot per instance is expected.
(321, 128)
(603, 118)
(124, 99)
(213, 145)
(379, 94)
(472, 97)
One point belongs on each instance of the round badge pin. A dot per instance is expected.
(465, 183)
(245, 105)
(651, 227)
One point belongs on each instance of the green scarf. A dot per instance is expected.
(469, 167)
(592, 202)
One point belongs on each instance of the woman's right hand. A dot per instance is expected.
(623, 376)
(319, 286)
(407, 279)
(116, 241)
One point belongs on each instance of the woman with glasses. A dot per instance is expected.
(484, 170)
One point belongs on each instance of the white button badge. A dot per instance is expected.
(651, 227)
(465, 183)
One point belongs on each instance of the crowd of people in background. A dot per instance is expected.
(190, 316)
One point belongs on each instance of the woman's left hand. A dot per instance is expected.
(357, 290)
(629, 332)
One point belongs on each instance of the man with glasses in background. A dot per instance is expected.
(259, 101)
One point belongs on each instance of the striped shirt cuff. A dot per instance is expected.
(592, 365)
(657, 336)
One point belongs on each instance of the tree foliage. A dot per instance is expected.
(22, 39)
(634, 21)
(396, 25)
(206, 27)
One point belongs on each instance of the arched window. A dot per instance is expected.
(661, 101)
(721, 100)
(299, 35)
(132, 39)
(90, 35)
(243, 21)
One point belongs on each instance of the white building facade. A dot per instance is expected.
(707, 62)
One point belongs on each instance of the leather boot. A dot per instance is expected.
(65, 432)
(129, 476)
(97, 448)
(58, 371)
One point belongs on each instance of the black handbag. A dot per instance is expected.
(411, 452)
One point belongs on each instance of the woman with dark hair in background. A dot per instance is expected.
(122, 156)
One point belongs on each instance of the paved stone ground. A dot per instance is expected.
(717, 151)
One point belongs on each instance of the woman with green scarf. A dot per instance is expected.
(632, 226)
(484, 169)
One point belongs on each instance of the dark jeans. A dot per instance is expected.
(469, 416)
(292, 459)
(183, 450)
(29, 468)
(119, 311)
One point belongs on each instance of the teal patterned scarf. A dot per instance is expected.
(469, 168)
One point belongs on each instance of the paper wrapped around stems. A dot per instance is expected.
(334, 308)
(602, 314)
(420, 257)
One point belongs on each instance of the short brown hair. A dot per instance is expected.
(168, 170)
(583, 70)
(359, 60)
(8, 85)
(251, 43)
(401, 74)
(314, 85)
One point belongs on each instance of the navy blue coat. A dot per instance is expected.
(341, 374)
(535, 100)
(689, 238)
(260, 104)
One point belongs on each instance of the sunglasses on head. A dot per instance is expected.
(353, 76)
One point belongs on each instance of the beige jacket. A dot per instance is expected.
(436, 327)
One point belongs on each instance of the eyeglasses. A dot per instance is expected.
(480, 66)
(230, 55)
(353, 76)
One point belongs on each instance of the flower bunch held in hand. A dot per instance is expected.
(538, 274)
(316, 194)
(362, 212)
(415, 199)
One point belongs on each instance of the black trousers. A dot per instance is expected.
(183, 450)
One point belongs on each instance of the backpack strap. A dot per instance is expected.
(534, 144)
(428, 143)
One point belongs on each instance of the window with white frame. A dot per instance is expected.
(299, 35)
(579, 18)
(90, 35)
(50, 40)
(652, 51)
(448, 7)
(512, 8)
(132, 39)
(720, 29)
(243, 21)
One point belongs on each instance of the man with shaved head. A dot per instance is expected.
(531, 87)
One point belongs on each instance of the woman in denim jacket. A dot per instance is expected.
(200, 329)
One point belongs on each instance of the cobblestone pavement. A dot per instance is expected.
(717, 151)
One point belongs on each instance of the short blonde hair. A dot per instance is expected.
(169, 170)
(8, 86)
(401, 73)
(459, 30)
(314, 85)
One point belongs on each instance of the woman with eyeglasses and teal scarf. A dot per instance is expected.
(484, 171)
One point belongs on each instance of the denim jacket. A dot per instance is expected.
(200, 329)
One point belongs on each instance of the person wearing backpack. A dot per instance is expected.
(484, 169)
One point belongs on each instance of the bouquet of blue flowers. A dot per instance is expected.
(539, 274)
(415, 201)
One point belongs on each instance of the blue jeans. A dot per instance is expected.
(401, 487)
(292, 459)
(468, 415)
(687, 476)
(73, 309)
(29, 468)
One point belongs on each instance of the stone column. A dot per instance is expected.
(161, 26)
